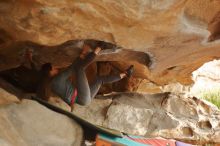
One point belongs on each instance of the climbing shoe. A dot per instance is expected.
(129, 71)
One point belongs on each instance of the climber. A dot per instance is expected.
(81, 93)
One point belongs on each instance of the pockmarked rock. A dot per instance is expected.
(158, 115)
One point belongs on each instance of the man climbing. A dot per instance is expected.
(82, 92)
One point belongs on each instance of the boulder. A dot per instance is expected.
(156, 115)
(128, 119)
(29, 124)
(95, 111)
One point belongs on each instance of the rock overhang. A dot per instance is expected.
(179, 36)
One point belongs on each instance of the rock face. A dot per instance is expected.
(31, 124)
(123, 117)
(179, 35)
(206, 78)
(166, 40)
(166, 115)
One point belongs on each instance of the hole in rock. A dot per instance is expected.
(171, 68)
(205, 125)
(187, 131)
(214, 28)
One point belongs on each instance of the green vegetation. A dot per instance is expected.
(212, 96)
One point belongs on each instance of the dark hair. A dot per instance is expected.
(46, 68)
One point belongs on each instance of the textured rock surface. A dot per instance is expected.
(148, 87)
(97, 108)
(123, 117)
(207, 79)
(166, 40)
(165, 115)
(176, 88)
(173, 32)
(31, 124)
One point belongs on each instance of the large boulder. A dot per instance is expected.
(177, 35)
(152, 115)
(31, 124)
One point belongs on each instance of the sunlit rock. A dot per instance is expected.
(206, 79)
